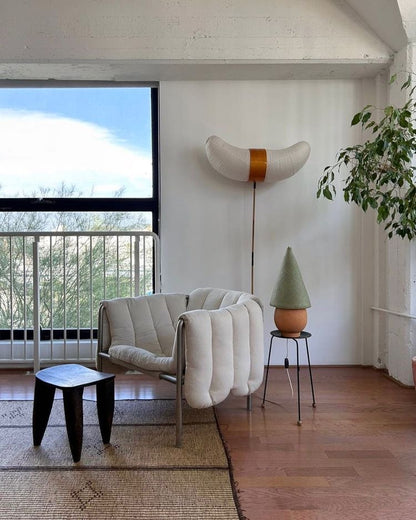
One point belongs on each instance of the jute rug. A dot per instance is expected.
(139, 475)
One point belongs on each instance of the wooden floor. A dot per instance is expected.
(354, 457)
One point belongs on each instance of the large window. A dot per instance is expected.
(78, 200)
(78, 157)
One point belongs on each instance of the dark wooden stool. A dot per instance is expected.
(72, 379)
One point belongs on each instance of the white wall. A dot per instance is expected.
(206, 218)
(396, 274)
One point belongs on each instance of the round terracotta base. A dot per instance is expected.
(290, 322)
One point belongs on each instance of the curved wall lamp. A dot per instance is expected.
(255, 165)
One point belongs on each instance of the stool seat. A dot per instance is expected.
(303, 335)
(72, 379)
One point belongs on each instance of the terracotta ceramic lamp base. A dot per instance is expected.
(290, 322)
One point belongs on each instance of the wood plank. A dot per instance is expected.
(359, 454)
(282, 481)
(330, 471)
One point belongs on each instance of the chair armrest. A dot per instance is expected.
(224, 352)
(103, 332)
(103, 337)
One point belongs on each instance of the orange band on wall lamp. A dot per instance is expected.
(258, 164)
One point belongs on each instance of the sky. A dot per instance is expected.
(96, 140)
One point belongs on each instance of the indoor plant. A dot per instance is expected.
(380, 171)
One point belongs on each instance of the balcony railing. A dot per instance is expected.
(51, 284)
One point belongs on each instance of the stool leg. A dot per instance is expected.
(267, 372)
(74, 419)
(310, 374)
(42, 406)
(105, 408)
(297, 371)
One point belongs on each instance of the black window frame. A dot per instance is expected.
(90, 204)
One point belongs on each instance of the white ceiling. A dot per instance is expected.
(386, 19)
(408, 11)
(391, 21)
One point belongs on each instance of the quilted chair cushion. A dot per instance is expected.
(210, 299)
(224, 351)
(143, 329)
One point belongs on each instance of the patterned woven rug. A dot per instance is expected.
(139, 475)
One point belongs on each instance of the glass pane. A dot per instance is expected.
(75, 142)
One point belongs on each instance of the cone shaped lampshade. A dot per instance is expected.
(290, 291)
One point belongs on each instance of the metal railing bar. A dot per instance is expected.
(64, 289)
(51, 294)
(36, 313)
(11, 297)
(156, 256)
(91, 293)
(117, 266)
(144, 266)
(24, 300)
(131, 265)
(78, 301)
(104, 268)
(137, 266)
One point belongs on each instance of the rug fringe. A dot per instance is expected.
(234, 483)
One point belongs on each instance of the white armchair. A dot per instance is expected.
(213, 338)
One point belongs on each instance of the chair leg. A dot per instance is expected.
(249, 403)
(179, 369)
(179, 412)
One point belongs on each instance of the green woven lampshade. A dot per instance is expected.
(290, 291)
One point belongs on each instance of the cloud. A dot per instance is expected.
(39, 149)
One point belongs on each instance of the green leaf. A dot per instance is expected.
(327, 193)
(356, 119)
(381, 146)
(373, 202)
(366, 117)
(407, 83)
(389, 110)
(382, 213)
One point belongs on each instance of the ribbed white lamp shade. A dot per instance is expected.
(244, 164)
